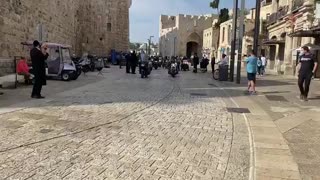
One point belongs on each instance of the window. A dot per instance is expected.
(223, 34)
(109, 27)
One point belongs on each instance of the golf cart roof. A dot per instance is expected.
(50, 45)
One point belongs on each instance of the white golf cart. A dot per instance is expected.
(59, 64)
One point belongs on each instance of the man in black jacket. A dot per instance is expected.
(134, 62)
(38, 56)
(195, 63)
(308, 66)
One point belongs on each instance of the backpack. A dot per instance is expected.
(259, 63)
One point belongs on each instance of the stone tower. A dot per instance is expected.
(181, 35)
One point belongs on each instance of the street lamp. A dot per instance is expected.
(149, 51)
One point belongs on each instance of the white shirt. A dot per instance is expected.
(264, 61)
(224, 61)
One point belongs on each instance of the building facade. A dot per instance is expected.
(94, 26)
(210, 41)
(226, 37)
(182, 35)
(290, 27)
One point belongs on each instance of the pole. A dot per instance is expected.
(233, 42)
(257, 28)
(174, 46)
(241, 34)
(149, 52)
(149, 46)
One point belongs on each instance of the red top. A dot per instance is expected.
(22, 67)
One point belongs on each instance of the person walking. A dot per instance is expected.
(38, 56)
(251, 72)
(264, 64)
(213, 62)
(195, 63)
(259, 64)
(308, 66)
(133, 62)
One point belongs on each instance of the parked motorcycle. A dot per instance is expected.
(85, 64)
(173, 69)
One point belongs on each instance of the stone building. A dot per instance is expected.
(210, 41)
(290, 26)
(226, 37)
(94, 26)
(182, 35)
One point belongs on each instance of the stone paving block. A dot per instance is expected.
(278, 173)
(276, 161)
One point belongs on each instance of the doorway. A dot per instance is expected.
(192, 47)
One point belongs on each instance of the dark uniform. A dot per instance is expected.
(128, 63)
(39, 71)
(305, 74)
(133, 62)
(195, 63)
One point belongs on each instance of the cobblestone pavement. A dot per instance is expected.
(124, 127)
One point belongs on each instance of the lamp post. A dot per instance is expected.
(174, 46)
(149, 47)
(241, 33)
(257, 27)
(234, 38)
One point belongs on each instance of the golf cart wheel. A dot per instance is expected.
(216, 74)
(65, 76)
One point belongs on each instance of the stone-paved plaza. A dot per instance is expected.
(123, 127)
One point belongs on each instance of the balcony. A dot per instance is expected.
(274, 17)
(296, 5)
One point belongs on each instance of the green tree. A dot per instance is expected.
(223, 16)
(215, 5)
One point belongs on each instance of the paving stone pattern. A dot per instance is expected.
(120, 128)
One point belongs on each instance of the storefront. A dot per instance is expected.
(313, 33)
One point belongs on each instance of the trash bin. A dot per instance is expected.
(223, 73)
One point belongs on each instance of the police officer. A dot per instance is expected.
(308, 66)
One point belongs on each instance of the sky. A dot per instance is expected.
(145, 14)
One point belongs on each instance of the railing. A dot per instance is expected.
(274, 17)
(297, 4)
(282, 11)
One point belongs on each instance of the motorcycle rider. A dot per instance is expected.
(143, 59)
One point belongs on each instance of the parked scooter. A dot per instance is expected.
(85, 63)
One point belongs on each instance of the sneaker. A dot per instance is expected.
(253, 93)
(305, 99)
(1, 93)
(301, 97)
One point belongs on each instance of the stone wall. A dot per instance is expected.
(96, 26)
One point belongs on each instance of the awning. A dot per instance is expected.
(306, 33)
(273, 42)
